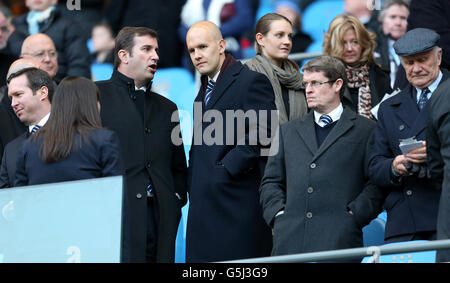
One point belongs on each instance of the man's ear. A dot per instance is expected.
(43, 93)
(123, 56)
(222, 46)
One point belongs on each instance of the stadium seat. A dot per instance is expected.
(373, 234)
(318, 15)
(414, 257)
(101, 71)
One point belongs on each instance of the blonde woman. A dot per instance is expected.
(273, 44)
(348, 40)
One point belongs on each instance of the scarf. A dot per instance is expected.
(34, 18)
(193, 11)
(288, 76)
(358, 77)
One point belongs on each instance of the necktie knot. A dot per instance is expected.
(326, 120)
(423, 98)
(35, 128)
(209, 88)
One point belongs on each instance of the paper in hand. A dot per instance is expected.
(406, 145)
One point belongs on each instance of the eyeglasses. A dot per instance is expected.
(315, 84)
(41, 55)
(4, 29)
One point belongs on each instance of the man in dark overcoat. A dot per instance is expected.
(155, 164)
(227, 157)
(316, 193)
(412, 196)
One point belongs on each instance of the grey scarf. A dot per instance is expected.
(290, 77)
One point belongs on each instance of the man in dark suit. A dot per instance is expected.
(155, 165)
(413, 197)
(226, 163)
(315, 192)
(30, 91)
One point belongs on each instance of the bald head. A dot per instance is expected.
(41, 47)
(206, 47)
(22, 63)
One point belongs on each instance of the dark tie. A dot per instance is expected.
(35, 128)
(208, 91)
(326, 119)
(423, 98)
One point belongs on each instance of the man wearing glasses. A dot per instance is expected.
(315, 192)
(41, 48)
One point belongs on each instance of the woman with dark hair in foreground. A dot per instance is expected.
(72, 145)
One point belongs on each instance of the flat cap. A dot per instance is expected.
(416, 41)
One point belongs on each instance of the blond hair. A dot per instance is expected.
(333, 44)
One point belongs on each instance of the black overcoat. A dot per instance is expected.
(148, 150)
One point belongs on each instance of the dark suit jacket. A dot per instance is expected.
(438, 150)
(316, 186)
(9, 161)
(97, 157)
(225, 219)
(10, 125)
(148, 151)
(412, 203)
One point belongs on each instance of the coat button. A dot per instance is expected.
(139, 196)
(310, 190)
(309, 215)
(148, 165)
(147, 130)
(409, 192)
(401, 127)
(313, 165)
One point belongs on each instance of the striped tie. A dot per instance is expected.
(423, 98)
(326, 120)
(208, 91)
(35, 128)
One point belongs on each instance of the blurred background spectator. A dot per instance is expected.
(6, 58)
(103, 44)
(360, 10)
(394, 21)
(45, 17)
(160, 15)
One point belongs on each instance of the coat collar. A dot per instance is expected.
(125, 81)
(306, 129)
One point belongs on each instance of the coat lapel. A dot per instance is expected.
(225, 80)
(344, 124)
(305, 128)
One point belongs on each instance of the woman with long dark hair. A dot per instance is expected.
(72, 145)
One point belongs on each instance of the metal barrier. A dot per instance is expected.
(375, 252)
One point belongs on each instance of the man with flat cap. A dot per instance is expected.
(412, 196)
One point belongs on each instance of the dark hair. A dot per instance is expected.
(74, 110)
(263, 26)
(332, 68)
(36, 80)
(125, 40)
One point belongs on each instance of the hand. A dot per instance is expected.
(399, 165)
(418, 155)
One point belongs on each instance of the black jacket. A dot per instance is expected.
(148, 151)
(73, 54)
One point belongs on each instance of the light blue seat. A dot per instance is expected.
(101, 71)
(318, 15)
(373, 234)
(414, 257)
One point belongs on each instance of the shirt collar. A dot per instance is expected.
(215, 77)
(41, 123)
(335, 115)
(432, 87)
